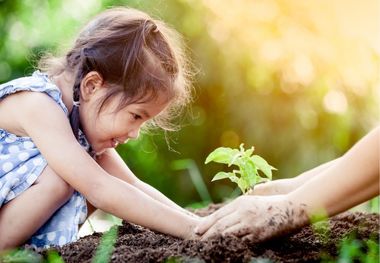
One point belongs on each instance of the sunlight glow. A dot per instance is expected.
(75, 9)
(335, 102)
(230, 139)
(303, 40)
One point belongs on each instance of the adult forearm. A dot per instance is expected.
(353, 179)
(287, 185)
(306, 176)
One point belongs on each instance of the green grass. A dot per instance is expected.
(195, 176)
(106, 246)
(20, 255)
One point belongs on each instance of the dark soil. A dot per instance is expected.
(310, 244)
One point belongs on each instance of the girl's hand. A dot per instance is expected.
(277, 187)
(190, 233)
(255, 218)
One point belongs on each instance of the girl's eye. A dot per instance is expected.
(136, 116)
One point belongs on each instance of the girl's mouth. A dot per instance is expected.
(114, 143)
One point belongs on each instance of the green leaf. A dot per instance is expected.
(54, 257)
(263, 165)
(222, 155)
(235, 159)
(249, 152)
(247, 176)
(252, 180)
(234, 179)
(261, 180)
(241, 147)
(247, 167)
(243, 184)
(222, 175)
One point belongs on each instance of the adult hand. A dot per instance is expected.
(256, 218)
(277, 187)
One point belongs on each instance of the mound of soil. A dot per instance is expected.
(309, 244)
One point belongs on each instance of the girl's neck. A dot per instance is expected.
(65, 82)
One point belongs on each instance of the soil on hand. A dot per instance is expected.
(309, 244)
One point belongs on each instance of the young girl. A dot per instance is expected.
(58, 131)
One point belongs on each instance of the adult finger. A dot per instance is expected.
(223, 223)
(210, 220)
(250, 238)
(239, 230)
(257, 235)
(265, 189)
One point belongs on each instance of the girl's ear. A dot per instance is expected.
(90, 84)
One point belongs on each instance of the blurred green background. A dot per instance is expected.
(299, 80)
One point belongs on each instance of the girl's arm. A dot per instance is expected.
(114, 165)
(287, 185)
(43, 120)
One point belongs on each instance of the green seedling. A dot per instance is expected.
(247, 176)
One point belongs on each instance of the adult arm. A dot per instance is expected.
(351, 180)
(287, 185)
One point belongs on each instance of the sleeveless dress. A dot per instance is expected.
(21, 163)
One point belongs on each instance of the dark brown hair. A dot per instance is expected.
(137, 56)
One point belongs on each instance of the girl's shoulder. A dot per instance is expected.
(37, 82)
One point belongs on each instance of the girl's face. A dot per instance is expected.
(109, 127)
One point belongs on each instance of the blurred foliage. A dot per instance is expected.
(355, 250)
(299, 80)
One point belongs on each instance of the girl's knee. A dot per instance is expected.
(54, 185)
(63, 190)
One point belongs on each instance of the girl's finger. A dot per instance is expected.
(205, 224)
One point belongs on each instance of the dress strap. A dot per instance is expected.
(76, 124)
(75, 120)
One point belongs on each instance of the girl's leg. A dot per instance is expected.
(21, 217)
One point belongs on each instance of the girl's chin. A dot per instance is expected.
(101, 148)
(100, 152)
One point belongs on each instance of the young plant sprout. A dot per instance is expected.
(247, 176)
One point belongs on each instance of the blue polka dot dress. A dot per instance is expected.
(21, 163)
